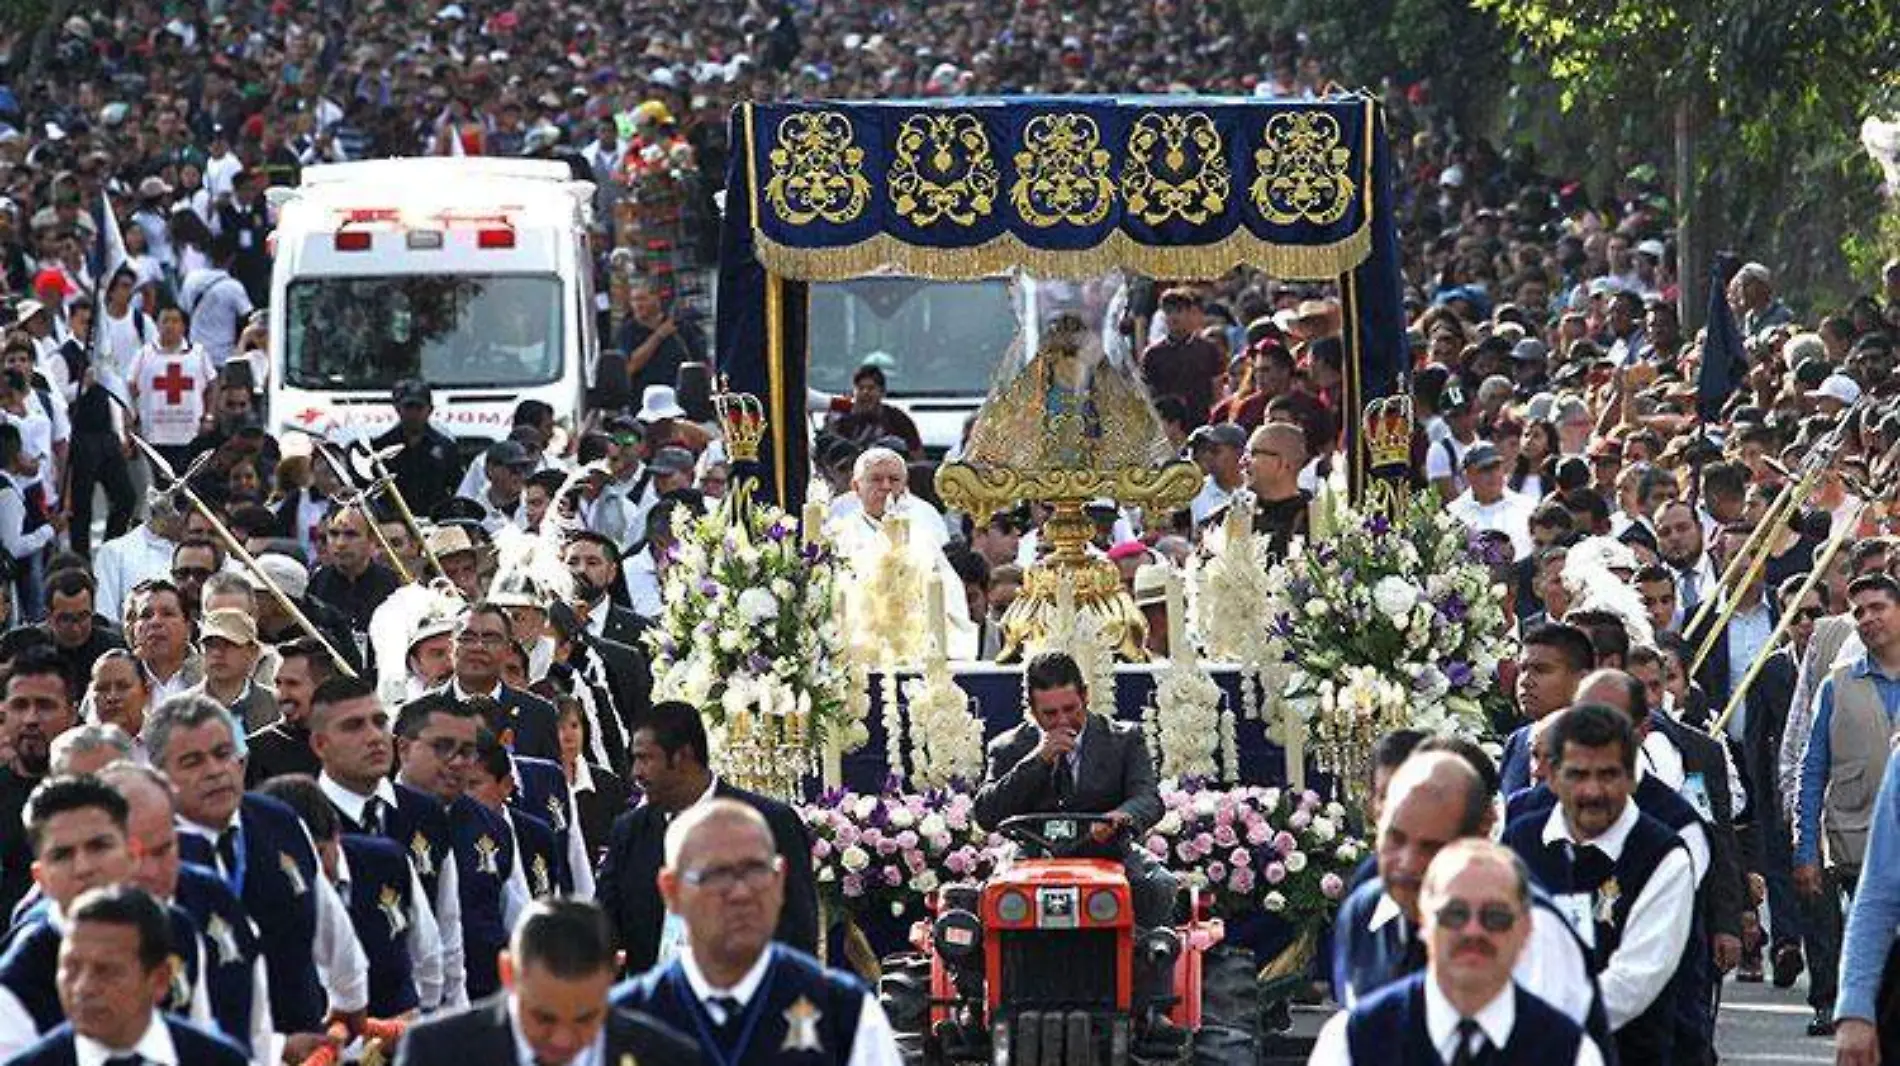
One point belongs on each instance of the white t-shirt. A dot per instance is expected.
(119, 342)
(1445, 459)
(1510, 515)
(171, 392)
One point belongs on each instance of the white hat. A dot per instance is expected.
(1453, 177)
(1755, 272)
(1652, 248)
(658, 403)
(1838, 387)
(286, 573)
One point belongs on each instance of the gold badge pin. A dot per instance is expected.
(801, 1027)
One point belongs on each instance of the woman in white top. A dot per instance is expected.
(171, 381)
(25, 533)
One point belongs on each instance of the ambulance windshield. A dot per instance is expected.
(455, 331)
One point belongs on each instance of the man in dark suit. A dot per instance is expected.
(557, 972)
(594, 561)
(670, 768)
(1069, 760)
(120, 1023)
(527, 725)
(283, 747)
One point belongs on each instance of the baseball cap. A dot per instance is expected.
(507, 453)
(1652, 248)
(1482, 454)
(1530, 350)
(447, 540)
(672, 460)
(1837, 387)
(286, 573)
(228, 623)
(411, 391)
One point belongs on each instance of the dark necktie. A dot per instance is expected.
(1064, 781)
(373, 816)
(729, 1010)
(1589, 867)
(1414, 952)
(126, 1060)
(1472, 1044)
(228, 851)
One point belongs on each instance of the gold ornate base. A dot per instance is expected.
(1098, 593)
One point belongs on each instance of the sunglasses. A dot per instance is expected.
(1808, 614)
(1494, 917)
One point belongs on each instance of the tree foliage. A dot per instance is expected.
(1776, 90)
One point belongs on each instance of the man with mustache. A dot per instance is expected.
(1465, 1008)
(1436, 798)
(316, 968)
(1625, 878)
(37, 710)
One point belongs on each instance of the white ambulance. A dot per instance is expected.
(473, 274)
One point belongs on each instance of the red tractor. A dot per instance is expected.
(1037, 967)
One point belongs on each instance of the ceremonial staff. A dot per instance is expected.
(1755, 551)
(182, 487)
(359, 499)
(385, 481)
(1768, 648)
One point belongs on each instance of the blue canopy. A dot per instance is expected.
(1178, 188)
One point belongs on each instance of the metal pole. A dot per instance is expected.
(1821, 564)
(243, 555)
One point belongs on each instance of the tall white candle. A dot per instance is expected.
(933, 609)
(812, 524)
(1178, 644)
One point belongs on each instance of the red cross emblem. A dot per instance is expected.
(174, 384)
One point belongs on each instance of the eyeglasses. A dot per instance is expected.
(448, 749)
(1494, 917)
(1808, 614)
(191, 573)
(481, 640)
(724, 879)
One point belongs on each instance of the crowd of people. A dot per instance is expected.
(410, 780)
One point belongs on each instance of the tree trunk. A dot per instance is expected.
(1689, 253)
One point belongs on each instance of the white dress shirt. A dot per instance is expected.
(1495, 1019)
(644, 596)
(1656, 930)
(123, 562)
(1748, 630)
(1551, 967)
(874, 1044)
(342, 967)
(1210, 497)
(154, 1046)
(423, 937)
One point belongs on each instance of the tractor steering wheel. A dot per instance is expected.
(1028, 830)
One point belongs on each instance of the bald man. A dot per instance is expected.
(1276, 453)
(1434, 799)
(1466, 1007)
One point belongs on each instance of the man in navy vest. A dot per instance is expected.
(350, 734)
(1624, 878)
(114, 965)
(491, 783)
(1433, 799)
(391, 919)
(747, 1000)
(436, 741)
(77, 827)
(318, 971)
(558, 970)
(234, 961)
(1464, 1009)
(538, 788)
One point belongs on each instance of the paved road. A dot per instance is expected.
(1762, 1025)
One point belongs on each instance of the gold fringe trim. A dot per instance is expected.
(1316, 262)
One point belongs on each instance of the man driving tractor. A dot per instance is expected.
(1068, 760)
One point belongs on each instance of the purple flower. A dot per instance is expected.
(708, 587)
(1459, 673)
(778, 530)
(1454, 608)
(1378, 526)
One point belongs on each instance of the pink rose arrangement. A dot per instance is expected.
(892, 851)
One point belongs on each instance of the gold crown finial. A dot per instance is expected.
(742, 419)
(1388, 432)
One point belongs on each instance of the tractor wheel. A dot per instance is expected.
(903, 991)
(1230, 1009)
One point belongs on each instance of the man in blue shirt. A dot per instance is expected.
(1869, 940)
(1854, 720)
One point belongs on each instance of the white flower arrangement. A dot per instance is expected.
(1190, 729)
(946, 736)
(1382, 622)
(748, 623)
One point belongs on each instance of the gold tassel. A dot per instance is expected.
(1316, 262)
